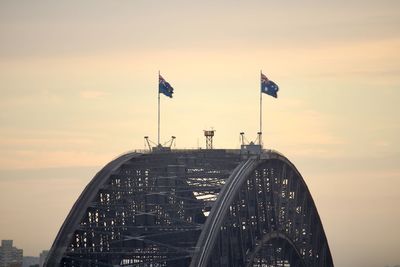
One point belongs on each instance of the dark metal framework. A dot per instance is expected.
(209, 134)
(194, 208)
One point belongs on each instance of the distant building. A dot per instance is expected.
(29, 261)
(42, 257)
(10, 256)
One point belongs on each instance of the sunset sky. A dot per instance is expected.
(78, 85)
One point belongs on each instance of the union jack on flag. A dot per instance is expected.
(269, 87)
(164, 87)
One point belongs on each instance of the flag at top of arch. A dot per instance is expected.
(164, 87)
(269, 87)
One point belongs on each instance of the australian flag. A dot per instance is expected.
(268, 86)
(164, 87)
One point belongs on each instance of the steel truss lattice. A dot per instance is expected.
(194, 208)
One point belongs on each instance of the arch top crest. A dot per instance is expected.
(194, 208)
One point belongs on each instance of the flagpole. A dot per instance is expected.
(260, 133)
(158, 109)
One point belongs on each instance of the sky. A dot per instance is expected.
(78, 87)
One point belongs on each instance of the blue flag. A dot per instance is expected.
(269, 87)
(164, 87)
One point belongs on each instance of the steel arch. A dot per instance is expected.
(72, 221)
(152, 210)
(306, 240)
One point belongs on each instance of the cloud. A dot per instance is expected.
(92, 94)
(303, 130)
(34, 159)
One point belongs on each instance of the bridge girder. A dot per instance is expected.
(193, 207)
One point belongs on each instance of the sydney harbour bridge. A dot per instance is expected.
(205, 207)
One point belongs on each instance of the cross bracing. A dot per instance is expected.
(194, 208)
